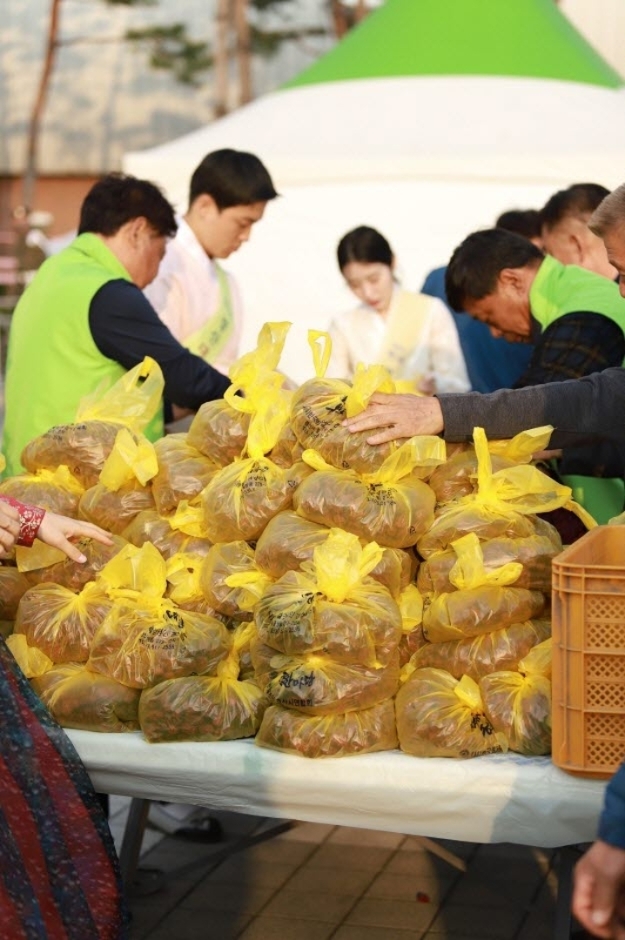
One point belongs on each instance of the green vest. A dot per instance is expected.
(559, 289)
(52, 360)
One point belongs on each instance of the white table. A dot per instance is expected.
(498, 798)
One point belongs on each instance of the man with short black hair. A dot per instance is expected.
(192, 293)
(575, 318)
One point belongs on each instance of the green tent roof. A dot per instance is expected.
(524, 38)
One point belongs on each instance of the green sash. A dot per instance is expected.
(209, 341)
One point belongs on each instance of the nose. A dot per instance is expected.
(369, 294)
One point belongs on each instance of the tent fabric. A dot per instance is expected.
(431, 127)
(530, 38)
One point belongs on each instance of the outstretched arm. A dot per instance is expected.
(580, 410)
(20, 524)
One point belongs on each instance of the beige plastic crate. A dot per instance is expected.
(589, 653)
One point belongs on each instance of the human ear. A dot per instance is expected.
(511, 279)
(578, 251)
(206, 205)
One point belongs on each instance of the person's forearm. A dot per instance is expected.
(30, 520)
(189, 382)
(580, 409)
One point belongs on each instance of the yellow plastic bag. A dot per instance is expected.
(13, 585)
(391, 507)
(185, 585)
(42, 562)
(83, 447)
(220, 429)
(411, 608)
(132, 459)
(477, 656)
(132, 401)
(53, 490)
(479, 610)
(240, 499)
(289, 540)
(135, 571)
(263, 399)
(144, 642)
(60, 623)
(502, 505)
(113, 510)
(219, 432)
(204, 708)
(519, 703)
(439, 716)
(358, 732)
(321, 405)
(32, 661)
(231, 596)
(164, 533)
(458, 476)
(534, 553)
(332, 606)
(524, 489)
(78, 698)
(316, 684)
(182, 473)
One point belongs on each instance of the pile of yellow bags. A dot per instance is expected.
(273, 575)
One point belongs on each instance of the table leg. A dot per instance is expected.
(133, 837)
(565, 862)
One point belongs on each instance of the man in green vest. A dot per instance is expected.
(576, 321)
(84, 320)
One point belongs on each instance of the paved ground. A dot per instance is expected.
(317, 882)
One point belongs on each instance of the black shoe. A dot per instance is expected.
(198, 826)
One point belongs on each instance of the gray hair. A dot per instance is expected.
(610, 213)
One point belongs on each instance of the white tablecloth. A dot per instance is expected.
(498, 798)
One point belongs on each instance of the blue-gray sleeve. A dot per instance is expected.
(590, 408)
(125, 327)
(612, 820)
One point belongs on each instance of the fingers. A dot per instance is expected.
(57, 531)
(70, 550)
(9, 527)
(584, 905)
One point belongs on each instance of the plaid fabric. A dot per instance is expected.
(59, 875)
(575, 345)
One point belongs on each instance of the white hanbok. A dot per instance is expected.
(188, 293)
(416, 340)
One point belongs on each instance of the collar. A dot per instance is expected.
(91, 246)
(186, 237)
(542, 292)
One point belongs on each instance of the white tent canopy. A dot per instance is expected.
(424, 158)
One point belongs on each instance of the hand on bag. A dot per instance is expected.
(59, 530)
(393, 417)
